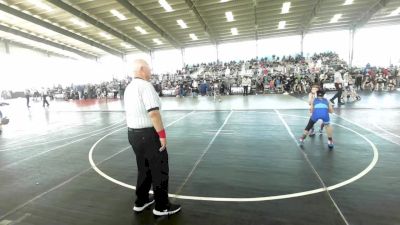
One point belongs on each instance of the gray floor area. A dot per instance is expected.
(234, 162)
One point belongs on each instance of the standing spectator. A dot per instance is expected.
(181, 89)
(157, 87)
(372, 75)
(86, 92)
(1, 119)
(226, 84)
(216, 90)
(147, 136)
(106, 91)
(203, 88)
(36, 95)
(246, 83)
(27, 95)
(121, 90)
(195, 88)
(398, 78)
(44, 98)
(358, 83)
(338, 80)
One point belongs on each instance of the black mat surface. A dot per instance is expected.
(227, 165)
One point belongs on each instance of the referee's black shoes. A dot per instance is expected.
(169, 210)
(140, 207)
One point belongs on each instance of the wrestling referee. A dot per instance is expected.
(147, 137)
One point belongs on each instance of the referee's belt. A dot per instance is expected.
(140, 130)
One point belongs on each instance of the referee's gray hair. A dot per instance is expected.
(137, 65)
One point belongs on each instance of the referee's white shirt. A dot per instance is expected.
(337, 78)
(140, 98)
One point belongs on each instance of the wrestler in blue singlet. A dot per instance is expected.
(321, 110)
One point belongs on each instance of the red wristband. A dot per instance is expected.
(162, 133)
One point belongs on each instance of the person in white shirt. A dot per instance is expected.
(227, 72)
(195, 88)
(147, 137)
(346, 78)
(337, 79)
(44, 97)
(27, 96)
(246, 83)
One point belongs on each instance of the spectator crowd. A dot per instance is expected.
(294, 75)
(286, 75)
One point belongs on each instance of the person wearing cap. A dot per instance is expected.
(320, 110)
(147, 137)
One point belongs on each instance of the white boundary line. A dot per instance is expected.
(203, 154)
(20, 219)
(366, 170)
(384, 130)
(41, 136)
(254, 199)
(60, 146)
(55, 187)
(24, 146)
(367, 129)
(50, 130)
(52, 149)
(95, 168)
(312, 167)
(181, 118)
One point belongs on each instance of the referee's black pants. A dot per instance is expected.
(45, 102)
(338, 94)
(245, 90)
(27, 100)
(152, 166)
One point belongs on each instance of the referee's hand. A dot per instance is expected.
(163, 144)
